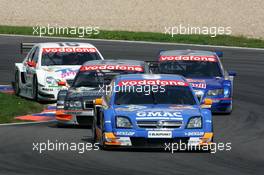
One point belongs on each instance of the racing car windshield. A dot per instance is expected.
(67, 58)
(191, 69)
(170, 95)
(96, 78)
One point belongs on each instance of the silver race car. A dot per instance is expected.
(50, 67)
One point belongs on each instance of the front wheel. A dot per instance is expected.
(101, 138)
(17, 87)
(94, 135)
(35, 88)
(229, 109)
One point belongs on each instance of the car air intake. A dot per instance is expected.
(159, 124)
(88, 104)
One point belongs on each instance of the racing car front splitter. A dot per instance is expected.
(111, 139)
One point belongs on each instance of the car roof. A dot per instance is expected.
(186, 52)
(149, 77)
(115, 62)
(64, 45)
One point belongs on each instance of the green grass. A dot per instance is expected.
(223, 40)
(12, 106)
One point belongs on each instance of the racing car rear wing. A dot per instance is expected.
(26, 47)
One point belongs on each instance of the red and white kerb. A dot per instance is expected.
(68, 49)
(152, 82)
(112, 67)
(188, 58)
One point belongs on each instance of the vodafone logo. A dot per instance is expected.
(48, 50)
(188, 58)
(152, 82)
(112, 67)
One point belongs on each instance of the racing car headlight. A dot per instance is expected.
(215, 92)
(227, 92)
(195, 123)
(123, 122)
(51, 80)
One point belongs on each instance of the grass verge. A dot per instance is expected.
(12, 106)
(221, 40)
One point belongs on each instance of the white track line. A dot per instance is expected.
(140, 42)
(25, 123)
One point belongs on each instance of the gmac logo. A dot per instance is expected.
(159, 114)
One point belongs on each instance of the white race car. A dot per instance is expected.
(50, 67)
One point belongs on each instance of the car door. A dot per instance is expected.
(31, 66)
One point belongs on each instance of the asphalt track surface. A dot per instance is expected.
(243, 128)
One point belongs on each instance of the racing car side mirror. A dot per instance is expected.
(98, 101)
(232, 73)
(219, 53)
(31, 64)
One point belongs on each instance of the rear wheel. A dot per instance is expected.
(17, 87)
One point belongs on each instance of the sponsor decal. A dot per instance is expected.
(181, 107)
(194, 133)
(194, 141)
(125, 141)
(112, 67)
(130, 108)
(201, 84)
(47, 89)
(125, 133)
(159, 134)
(195, 80)
(188, 58)
(67, 72)
(159, 114)
(153, 82)
(68, 49)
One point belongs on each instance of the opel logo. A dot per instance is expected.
(160, 124)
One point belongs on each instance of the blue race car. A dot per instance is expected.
(150, 110)
(203, 69)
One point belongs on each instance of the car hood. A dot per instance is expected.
(61, 72)
(213, 83)
(157, 112)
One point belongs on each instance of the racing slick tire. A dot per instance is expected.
(35, 88)
(94, 135)
(101, 138)
(17, 88)
(229, 109)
